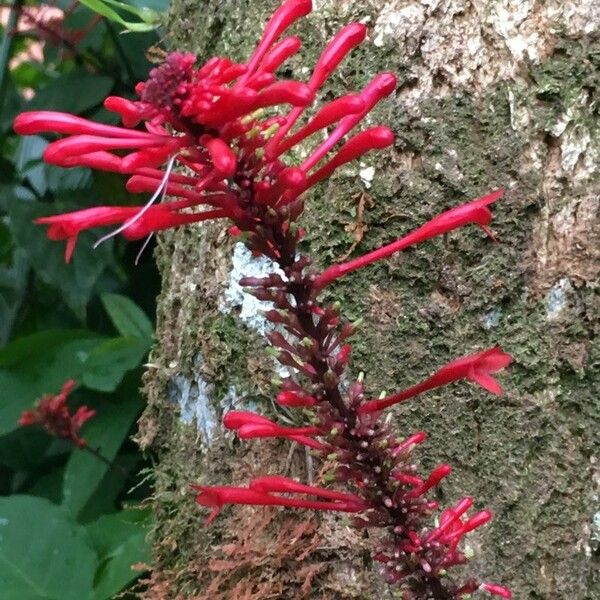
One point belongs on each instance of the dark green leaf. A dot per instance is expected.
(77, 279)
(127, 317)
(13, 287)
(28, 161)
(108, 362)
(74, 93)
(61, 180)
(106, 432)
(120, 541)
(44, 553)
(40, 364)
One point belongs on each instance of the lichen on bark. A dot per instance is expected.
(498, 92)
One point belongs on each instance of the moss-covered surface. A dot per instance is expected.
(529, 455)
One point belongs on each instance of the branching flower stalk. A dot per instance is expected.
(223, 121)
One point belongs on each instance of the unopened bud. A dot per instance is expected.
(270, 131)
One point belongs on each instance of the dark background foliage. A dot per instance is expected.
(71, 526)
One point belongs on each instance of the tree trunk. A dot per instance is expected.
(491, 93)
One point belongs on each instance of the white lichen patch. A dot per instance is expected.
(366, 175)
(460, 44)
(193, 397)
(574, 145)
(251, 310)
(397, 21)
(558, 298)
(492, 318)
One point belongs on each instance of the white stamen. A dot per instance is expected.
(139, 254)
(161, 191)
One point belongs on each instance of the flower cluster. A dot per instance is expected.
(223, 123)
(53, 415)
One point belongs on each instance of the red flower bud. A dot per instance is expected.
(496, 590)
(289, 12)
(279, 53)
(295, 399)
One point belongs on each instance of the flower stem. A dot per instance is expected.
(109, 463)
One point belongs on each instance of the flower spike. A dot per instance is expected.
(229, 125)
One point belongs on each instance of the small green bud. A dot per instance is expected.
(252, 133)
(267, 133)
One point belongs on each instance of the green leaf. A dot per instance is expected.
(27, 351)
(75, 280)
(38, 364)
(108, 362)
(13, 289)
(44, 553)
(129, 319)
(28, 161)
(150, 18)
(120, 541)
(106, 432)
(74, 93)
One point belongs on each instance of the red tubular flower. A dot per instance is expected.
(69, 225)
(476, 211)
(249, 425)
(377, 89)
(287, 14)
(261, 490)
(159, 218)
(156, 218)
(47, 121)
(279, 53)
(329, 114)
(409, 443)
(335, 51)
(285, 485)
(375, 138)
(52, 414)
(474, 367)
(57, 152)
(434, 479)
(449, 519)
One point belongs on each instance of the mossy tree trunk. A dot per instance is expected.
(492, 93)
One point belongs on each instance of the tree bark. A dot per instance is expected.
(491, 93)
